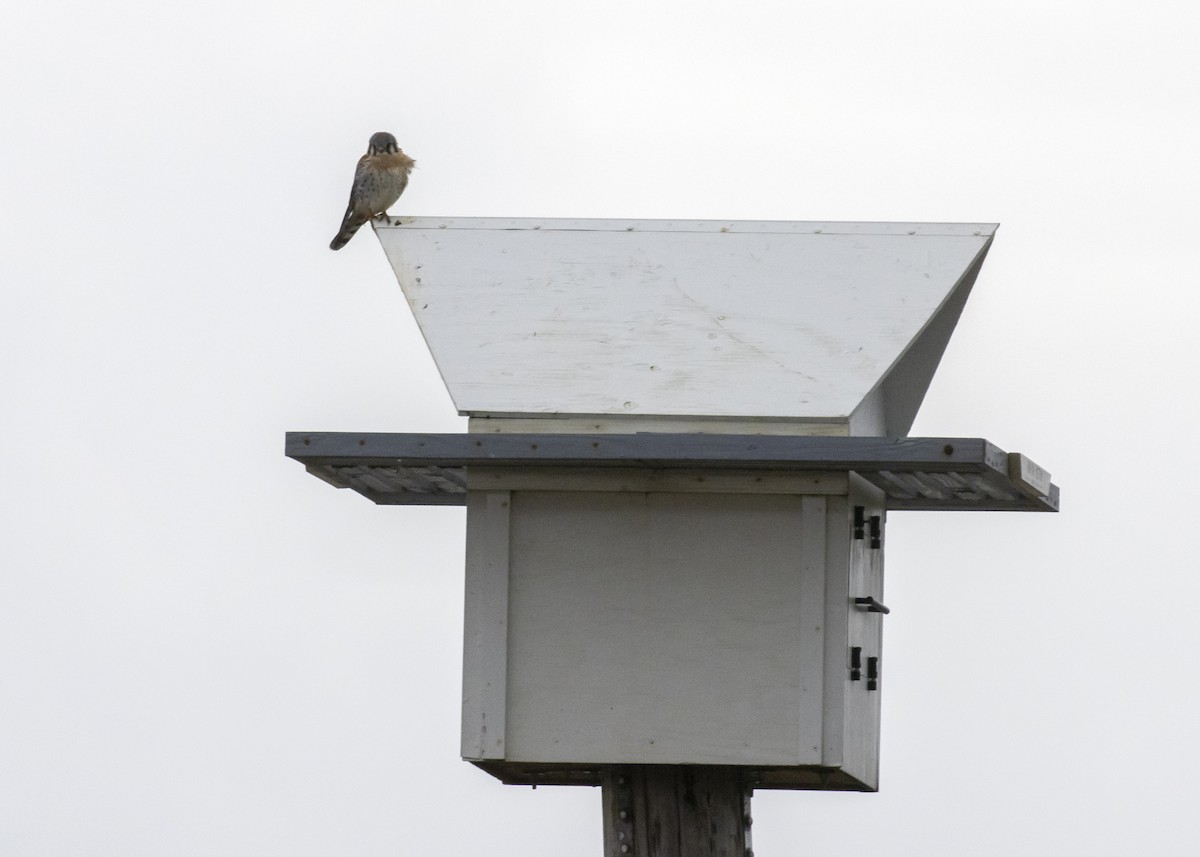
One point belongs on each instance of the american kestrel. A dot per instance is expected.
(379, 179)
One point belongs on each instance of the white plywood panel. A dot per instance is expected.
(836, 650)
(814, 554)
(626, 424)
(485, 639)
(735, 320)
(723, 481)
(663, 628)
(860, 747)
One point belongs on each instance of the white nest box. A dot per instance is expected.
(684, 441)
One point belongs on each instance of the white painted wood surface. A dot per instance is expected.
(638, 423)
(743, 320)
(727, 481)
(859, 721)
(1028, 474)
(485, 626)
(661, 628)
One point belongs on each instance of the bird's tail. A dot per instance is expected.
(350, 225)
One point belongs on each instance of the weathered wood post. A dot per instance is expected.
(683, 444)
(675, 810)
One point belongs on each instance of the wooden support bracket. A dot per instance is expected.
(676, 811)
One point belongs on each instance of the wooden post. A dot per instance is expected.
(676, 811)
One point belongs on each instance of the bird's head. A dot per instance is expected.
(382, 143)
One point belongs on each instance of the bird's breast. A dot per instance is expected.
(396, 163)
(380, 183)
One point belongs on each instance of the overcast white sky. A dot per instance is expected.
(205, 651)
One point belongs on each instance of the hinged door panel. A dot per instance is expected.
(663, 628)
(866, 610)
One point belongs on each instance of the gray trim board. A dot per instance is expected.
(936, 474)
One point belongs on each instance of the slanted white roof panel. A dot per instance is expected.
(699, 318)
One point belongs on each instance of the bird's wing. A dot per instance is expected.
(356, 187)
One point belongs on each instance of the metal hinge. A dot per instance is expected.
(861, 524)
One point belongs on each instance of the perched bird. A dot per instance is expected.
(379, 179)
